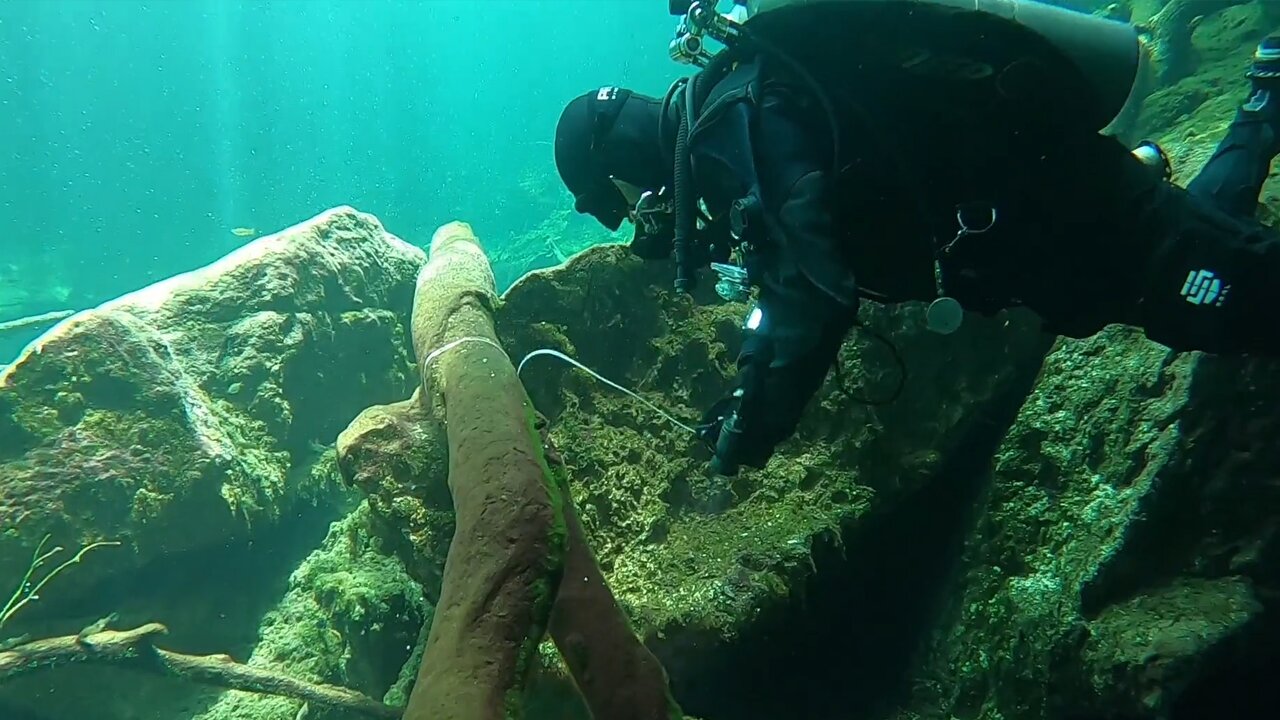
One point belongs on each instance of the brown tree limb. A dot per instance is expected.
(519, 564)
(507, 554)
(618, 676)
(134, 649)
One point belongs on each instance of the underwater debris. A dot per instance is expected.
(135, 649)
(27, 592)
(33, 320)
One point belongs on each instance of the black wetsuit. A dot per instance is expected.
(1077, 229)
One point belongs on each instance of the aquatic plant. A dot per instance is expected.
(26, 591)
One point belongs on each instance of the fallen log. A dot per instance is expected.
(507, 554)
(618, 676)
(134, 649)
(518, 544)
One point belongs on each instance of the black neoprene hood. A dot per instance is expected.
(610, 132)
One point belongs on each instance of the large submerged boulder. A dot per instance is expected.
(193, 412)
(1127, 560)
(712, 570)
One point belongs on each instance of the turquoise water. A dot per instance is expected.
(138, 135)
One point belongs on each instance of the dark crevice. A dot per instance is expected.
(846, 642)
(1242, 682)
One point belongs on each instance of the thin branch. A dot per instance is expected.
(30, 320)
(19, 600)
(134, 649)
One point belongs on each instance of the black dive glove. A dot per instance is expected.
(788, 350)
(736, 439)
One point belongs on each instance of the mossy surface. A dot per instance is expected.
(1116, 559)
(694, 555)
(1114, 569)
(190, 412)
(351, 617)
(1069, 478)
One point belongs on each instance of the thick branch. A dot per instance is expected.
(134, 649)
(507, 553)
(618, 676)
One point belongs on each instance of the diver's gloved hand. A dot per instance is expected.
(709, 427)
(787, 352)
(652, 247)
(739, 437)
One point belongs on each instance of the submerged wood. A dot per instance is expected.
(134, 649)
(519, 565)
(34, 320)
(618, 676)
(506, 557)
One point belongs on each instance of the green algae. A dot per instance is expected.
(351, 616)
(1070, 480)
(686, 552)
(545, 586)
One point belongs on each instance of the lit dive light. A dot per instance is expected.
(1154, 157)
(754, 318)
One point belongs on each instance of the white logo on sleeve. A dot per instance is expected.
(607, 93)
(1203, 287)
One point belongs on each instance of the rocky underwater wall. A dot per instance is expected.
(190, 425)
(1033, 529)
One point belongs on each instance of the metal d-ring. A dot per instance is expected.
(965, 230)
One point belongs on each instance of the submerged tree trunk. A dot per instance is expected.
(617, 675)
(519, 564)
(507, 554)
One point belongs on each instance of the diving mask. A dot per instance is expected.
(655, 219)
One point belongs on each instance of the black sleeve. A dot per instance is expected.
(808, 298)
(783, 363)
(793, 150)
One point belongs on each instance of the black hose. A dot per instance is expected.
(685, 199)
(663, 118)
(897, 358)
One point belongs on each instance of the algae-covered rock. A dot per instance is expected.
(1189, 117)
(1125, 562)
(351, 617)
(697, 560)
(1174, 53)
(189, 413)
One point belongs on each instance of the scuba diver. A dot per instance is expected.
(959, 159)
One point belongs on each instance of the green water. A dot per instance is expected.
(138, 135)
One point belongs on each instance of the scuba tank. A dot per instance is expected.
(1089, 64)
(1004, 64)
